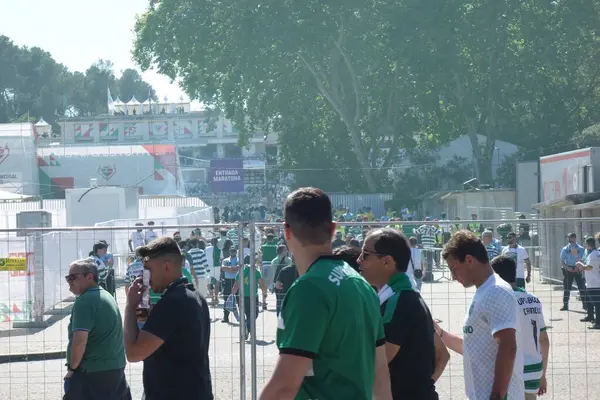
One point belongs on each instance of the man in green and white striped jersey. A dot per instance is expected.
(534, 340)
(232, 234)
(199, 264)
(427, 234)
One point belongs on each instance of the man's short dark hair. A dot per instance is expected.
(307, 213)
(463, 243)
(511, 234)
(590, 241)
(505, 267)
(390, 242)
(161, 247)
(413, 241)
(349, 255)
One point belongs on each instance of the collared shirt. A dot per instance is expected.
(568, 258)
(150, 235)
(96, 312)
(137, 239)
(179, 368)
(408, 324)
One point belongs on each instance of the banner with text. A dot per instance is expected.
(227, 175)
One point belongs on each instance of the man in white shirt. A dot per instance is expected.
(533, 338)
(445, 227)
(519, 254)
(214, 274)
(591, 265)
(150, 234)
(137, 238)
(493, 362)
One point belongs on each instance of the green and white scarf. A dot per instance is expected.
(390, 292)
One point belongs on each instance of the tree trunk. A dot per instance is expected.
(358, 149)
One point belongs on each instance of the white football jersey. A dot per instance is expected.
(493, 309)
(532, 324)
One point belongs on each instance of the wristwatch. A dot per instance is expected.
(69, 368)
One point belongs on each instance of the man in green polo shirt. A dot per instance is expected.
(95, 353)
(269, 252)
(330, 331)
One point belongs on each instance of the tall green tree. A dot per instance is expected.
(392, 72)
(132, 84)
(521, 71)
(33, 84)
(248, 59)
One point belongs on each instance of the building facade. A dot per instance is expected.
(198, 137)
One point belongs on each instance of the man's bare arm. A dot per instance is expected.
(382, 388)
(545, 350)
(453, 342)
(289, 373)
(442, 356)
(505, 360)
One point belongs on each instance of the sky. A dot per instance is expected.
(79, 32)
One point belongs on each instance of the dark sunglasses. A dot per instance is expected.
(366, 253)
(72, 277)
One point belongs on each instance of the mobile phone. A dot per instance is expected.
(146, 278)
(145, 301)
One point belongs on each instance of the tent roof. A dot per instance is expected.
(10, 196)
(41, 122)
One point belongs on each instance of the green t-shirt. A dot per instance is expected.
(257, 275)
(96, 312)
(269, 249)
(331, 315)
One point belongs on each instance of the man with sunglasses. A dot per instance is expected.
(174, 340)
(330, 335)
(416, 355)
(95, 353)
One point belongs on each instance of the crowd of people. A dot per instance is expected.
(352, 323)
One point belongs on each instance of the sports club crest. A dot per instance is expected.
(4, 152)
(107, 171)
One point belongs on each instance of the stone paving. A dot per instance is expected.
(573, 372)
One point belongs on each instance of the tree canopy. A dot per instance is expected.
(350, 83)
(33, 83)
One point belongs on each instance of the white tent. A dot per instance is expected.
(132, 105)
(9, 196)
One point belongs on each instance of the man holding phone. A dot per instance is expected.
(174, 340)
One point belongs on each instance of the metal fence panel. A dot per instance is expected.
(240, 368)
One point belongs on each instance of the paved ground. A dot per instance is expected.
(573, 372)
